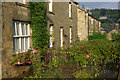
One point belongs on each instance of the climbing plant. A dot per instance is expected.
(40, 34)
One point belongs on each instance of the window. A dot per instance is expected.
(22, 1)
(70, 9)
(70, 34)
(91, 21)
(51, 36)
(61, 36)
(21, 36)
(50, 6)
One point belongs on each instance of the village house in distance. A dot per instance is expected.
(66, 24)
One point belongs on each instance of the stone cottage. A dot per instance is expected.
(14, 35)
(62, 23)
(82, 23)
(86, 23)
(94, 24)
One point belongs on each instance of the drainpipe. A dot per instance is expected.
(1, 40)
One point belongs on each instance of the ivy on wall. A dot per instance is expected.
(40, 34)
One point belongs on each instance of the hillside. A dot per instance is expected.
(111, 14)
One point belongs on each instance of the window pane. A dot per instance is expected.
(15, 44)
(13, 28)
(22, 44)
(26, 43)
(70, 7)
(23, 29)
(17, 26)
(26, 27)
(50, 6)
(61, 36)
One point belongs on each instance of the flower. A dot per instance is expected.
(18, 60)
(29, 62)
(87, 56)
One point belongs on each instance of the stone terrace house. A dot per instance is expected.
(82, 23)
(15, 35)
(86, 24)
(94, 25)
(62, 23)
(66, 24)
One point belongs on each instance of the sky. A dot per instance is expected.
(98, 0)
(93, 5)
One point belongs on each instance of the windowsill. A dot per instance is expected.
(21, 4)
(22, 36)
(51, 13)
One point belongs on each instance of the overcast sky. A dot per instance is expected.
(93, 5)
(98, 0)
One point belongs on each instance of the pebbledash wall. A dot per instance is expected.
(12, 11)
(59, 19)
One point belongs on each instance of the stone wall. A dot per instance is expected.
(82, 26)
(11, 11)
(60, 18)
(94, 25)
(0, 40)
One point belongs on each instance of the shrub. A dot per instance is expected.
(97, 35)
(115, 37)
(94, 54)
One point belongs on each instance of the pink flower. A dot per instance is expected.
(19, 60)
(29, 62)
(87, 56)
(30, 48)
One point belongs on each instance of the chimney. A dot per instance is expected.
(87, 10)
(83, 8)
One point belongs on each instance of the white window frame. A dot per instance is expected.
(70, 9)
(70, 34)
(61, 36)
(51, 36)
(20, 35)
(51, 6)
(91, 21)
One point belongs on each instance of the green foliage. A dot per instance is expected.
(116, 37)
(108, 12)
(41, 68)
(99, 50)
(111, 19)
(40, 34)
(97, 35)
